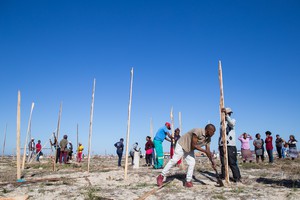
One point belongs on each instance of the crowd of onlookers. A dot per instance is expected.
(284, 148)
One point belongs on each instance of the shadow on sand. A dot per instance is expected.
(284, 182)
(181, 177)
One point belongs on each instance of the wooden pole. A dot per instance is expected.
(77, 136)
(58, 123)
(18, 136)
(172, 122)
(128, 124)
(91, 125)
(57, 136)
(180, 127)
(180, 123)
(26, 139)
(151, 128)
(223, 124)
(3, 148)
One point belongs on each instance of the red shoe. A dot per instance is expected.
(159, 180)
(189, 184)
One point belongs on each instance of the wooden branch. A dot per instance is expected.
(147, 194)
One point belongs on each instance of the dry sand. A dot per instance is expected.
(106, 181)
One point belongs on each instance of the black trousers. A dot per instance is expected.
(279, 151)
(232, 161)
(149, 159)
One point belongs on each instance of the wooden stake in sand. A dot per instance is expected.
(3, 148)
(91, 125)
(18, 136)
(57, 135)
(223, 124)
(28, 129)
(128, 124)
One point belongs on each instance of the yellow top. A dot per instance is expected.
(80, 149)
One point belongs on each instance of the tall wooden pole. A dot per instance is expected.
(128, 124)
(151, 128)
(91, 125)
(18, 136)
(3, 148)
(172, 122)
(77, 136)
(58, 122)
(180, 122)
(26, 139)
(57, 136)
(223, 124)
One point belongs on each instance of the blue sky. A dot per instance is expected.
(52, 50)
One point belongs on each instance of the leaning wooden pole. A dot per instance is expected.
(91, 125)
(57, 136)
(128, 124)
(223, 128)
(26, 139)
(3, 148)
(18, 136)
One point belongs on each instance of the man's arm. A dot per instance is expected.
(170, 136)
(206, 150)
(231, 122)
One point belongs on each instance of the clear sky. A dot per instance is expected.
(52, 50)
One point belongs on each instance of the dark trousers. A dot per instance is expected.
(279, 151)
(63, 157)
(57, 155)
(149, 159)
(120, 158)
(270, 154)
(232, 161)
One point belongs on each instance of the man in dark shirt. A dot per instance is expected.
(278, 143)
(120, 147)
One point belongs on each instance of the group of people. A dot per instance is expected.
(280, 144)
(34, 149)
(182, 147)
(64, 150)
(284, 148)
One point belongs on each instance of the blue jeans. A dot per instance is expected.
(270, 154)
(120, 158)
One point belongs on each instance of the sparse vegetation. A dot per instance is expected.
(107, 180)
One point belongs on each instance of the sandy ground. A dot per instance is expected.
(106, 181)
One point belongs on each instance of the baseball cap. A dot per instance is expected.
(228, 110)
(168, 124)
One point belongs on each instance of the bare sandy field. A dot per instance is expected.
(105, 180)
